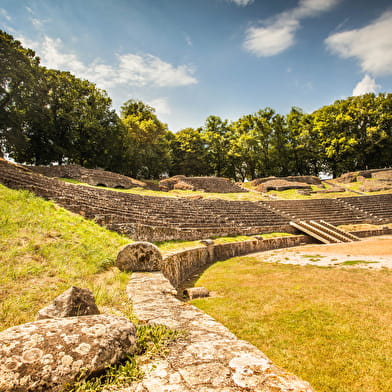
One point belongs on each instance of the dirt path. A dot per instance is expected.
(373, 252)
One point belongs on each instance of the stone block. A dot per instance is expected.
(73, 302)
(46, 355)
(139, 256)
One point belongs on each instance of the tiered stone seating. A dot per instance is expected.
(148, 217)
(378, 206)
(163, 218)
(329, 210)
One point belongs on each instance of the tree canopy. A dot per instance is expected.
(50, 116)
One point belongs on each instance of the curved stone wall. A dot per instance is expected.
(177, 267)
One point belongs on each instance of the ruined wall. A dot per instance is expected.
(149, 233)
(179, 266)
(89, 176)
(206, 184)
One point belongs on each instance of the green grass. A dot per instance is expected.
(356, 262)
(45, 249)
(329, 326)
(151, 341)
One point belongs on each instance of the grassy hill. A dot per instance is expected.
(45, 249)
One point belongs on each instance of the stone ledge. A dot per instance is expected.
(208, 357)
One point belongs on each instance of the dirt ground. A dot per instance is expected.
(372, 252)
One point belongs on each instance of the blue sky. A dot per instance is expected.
(193, 58)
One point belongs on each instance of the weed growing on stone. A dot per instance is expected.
(152, 341)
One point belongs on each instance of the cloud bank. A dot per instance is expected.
(371, 45)
(130, 69)
(278, 33)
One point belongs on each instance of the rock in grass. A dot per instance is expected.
(46, 355)
(73, 302)
(139, 256)
(196, 292)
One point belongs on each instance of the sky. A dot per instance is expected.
(190, 59)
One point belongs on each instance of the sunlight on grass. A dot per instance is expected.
(328, 326)
(45, 249)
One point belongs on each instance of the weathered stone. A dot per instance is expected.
(46, 355)
(196, 292)
(73, 302)
(207, 242)
(207, 357)
(206, 184)
(139, 256)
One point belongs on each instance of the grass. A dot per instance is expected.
(45, 249)
(356, 262)
(151, 341)
(328, 326)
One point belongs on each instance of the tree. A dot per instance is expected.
(189, 153)
(147, 145)
(216, 134)
(19, 97)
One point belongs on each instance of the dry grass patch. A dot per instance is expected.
(329, 326)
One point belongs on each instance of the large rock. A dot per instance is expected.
(139, 256)
(46, 355)
(73, 302)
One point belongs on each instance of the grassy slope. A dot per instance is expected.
(329, 326)
(45, 249)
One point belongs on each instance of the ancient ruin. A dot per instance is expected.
(151, 218)
(94, 177)
(47, 354)
(205, 184)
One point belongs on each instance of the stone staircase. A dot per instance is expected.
(324, 231)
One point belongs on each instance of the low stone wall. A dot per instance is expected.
(179, 266)
(149, 233)
(371, 233)
(206, 357)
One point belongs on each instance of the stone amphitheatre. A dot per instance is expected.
(209, 357)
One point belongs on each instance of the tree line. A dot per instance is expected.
(50, 116)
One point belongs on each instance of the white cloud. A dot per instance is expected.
(161, 105)
(366, 85)
(141, 70)
(131, 69)
(278, 33)
(271, 40)
(371, 45)
(242, 3)
(4, 14)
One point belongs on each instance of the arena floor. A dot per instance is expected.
(372, 252)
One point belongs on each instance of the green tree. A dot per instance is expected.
(147, 147)
(216, 134)
(20, 85)
(189, 153)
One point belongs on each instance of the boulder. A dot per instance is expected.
(46, 355)
(73, 302)
(139, 256)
